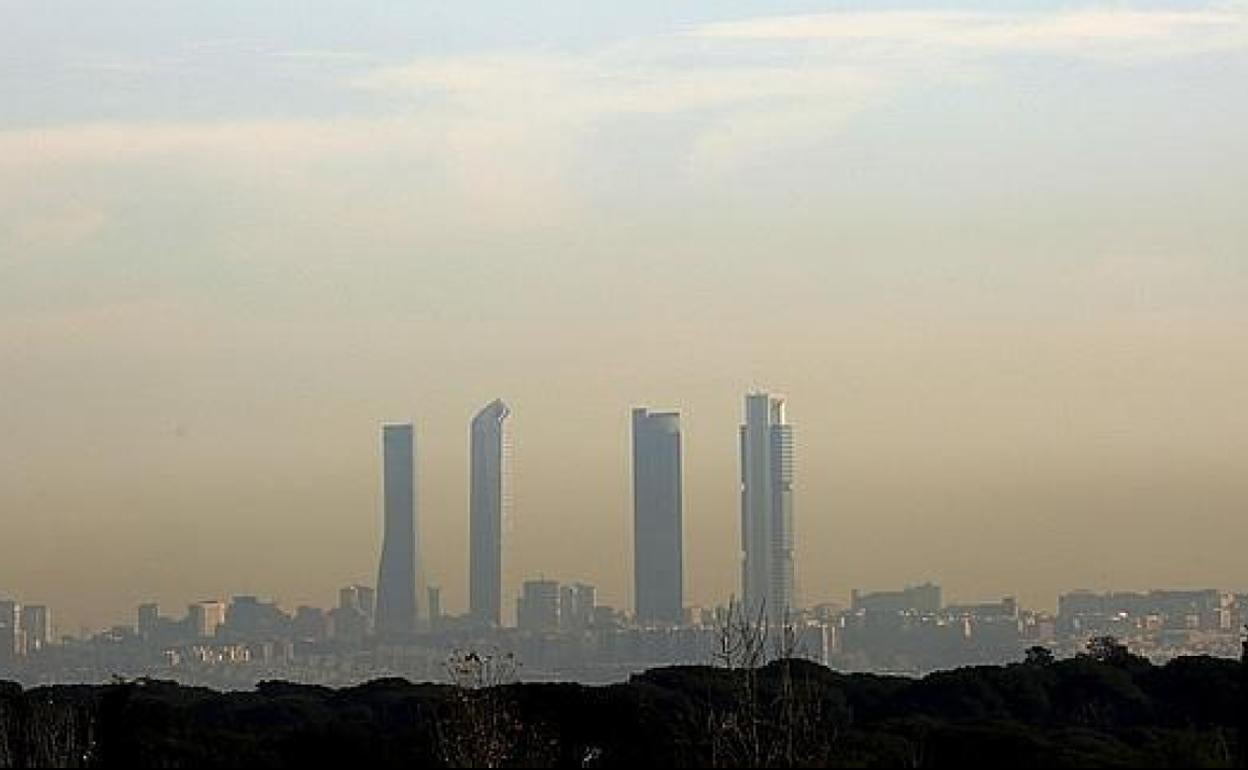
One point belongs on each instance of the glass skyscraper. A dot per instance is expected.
(658, 570)
(487, 501)
(767, 508)
(396, 577)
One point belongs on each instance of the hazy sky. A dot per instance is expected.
(995, 255)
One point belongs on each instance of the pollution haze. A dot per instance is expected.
(994, 255)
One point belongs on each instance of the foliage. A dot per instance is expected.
(1103, 708)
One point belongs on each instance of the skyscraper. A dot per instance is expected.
(658, 573)
(487, 497)
(396, 577)
(767, 507)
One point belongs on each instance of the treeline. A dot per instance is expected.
(1106, 708)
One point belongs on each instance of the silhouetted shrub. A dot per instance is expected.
(1092, 710)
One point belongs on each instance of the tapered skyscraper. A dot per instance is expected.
(396, 578)
(658, 572)
(767, 507)
(487, 499)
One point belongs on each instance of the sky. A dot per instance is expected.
(994, 254)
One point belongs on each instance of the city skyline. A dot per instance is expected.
(404, 493)
(564, 632)
(993, 253)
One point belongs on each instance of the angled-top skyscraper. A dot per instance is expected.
(396, 577)
(487, 497)
(658, 572)
(767, 507)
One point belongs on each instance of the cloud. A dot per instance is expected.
(328, 56)
(465, 168)
(1078, 32)
(800, 76)
(726, 63)
(252, 140)
(506, 132)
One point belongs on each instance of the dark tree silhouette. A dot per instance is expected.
(1107, 649)
(1039, 655)
(1102, 708)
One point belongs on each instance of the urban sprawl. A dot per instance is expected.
(561, 632)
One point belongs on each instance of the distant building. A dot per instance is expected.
(351, 621)
(1082, 613)
(699, 617)
(310, 624)
(249, 618)
(814, 641)
(12, 640)
(658, 571)
(767, 508)
(204, 618)
(576, 606)
(537, 609)
(435, 607)
(487, 500)
(1006, 608)
(148, 619)
(156, 629)
(921, 600)
(36, 624)
(396, 577)
(361, 598)
(606, 617)
(826, 612)
(348, 625)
